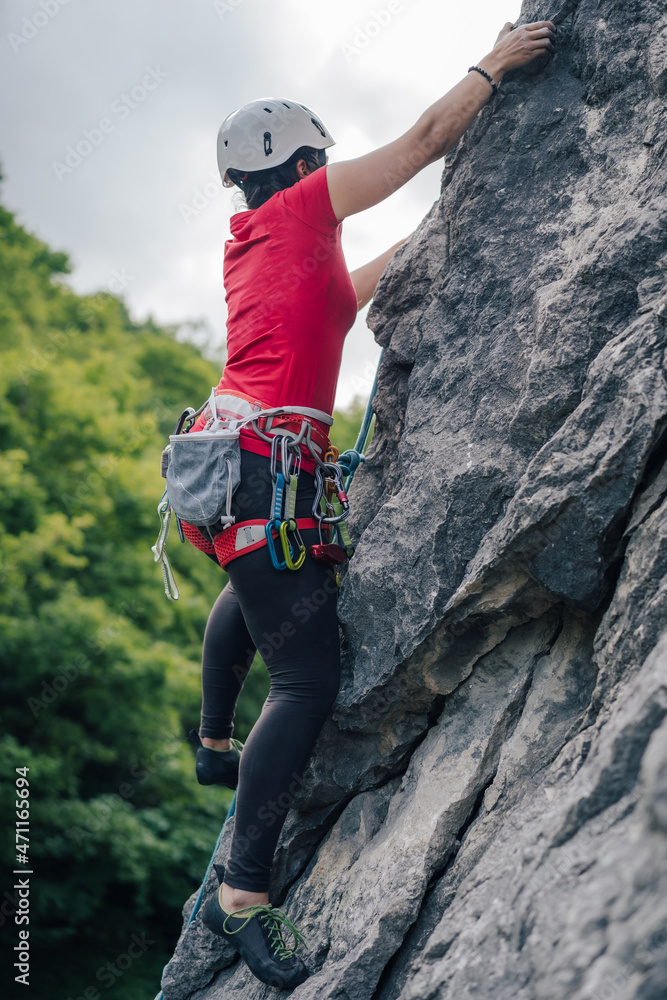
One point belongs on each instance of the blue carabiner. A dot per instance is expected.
(280, 479)
(274, 525)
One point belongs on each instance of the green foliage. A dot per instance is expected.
(100, 673)
(347, 423)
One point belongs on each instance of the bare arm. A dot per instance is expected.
(365, 278)
(355, 185)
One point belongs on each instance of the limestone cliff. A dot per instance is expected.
(486, 812)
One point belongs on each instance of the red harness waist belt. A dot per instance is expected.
(238, 539)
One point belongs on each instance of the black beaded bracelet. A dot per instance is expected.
(487, 76)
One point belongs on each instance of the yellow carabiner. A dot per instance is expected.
(287, 548)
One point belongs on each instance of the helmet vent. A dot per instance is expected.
(226, 142)
(267, 144)
(318, 126)
(268, 111)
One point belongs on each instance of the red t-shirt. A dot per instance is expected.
(291, 301)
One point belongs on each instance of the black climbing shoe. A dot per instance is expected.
(256, 933)
(216, 767)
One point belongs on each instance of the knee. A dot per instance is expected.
(313, 697)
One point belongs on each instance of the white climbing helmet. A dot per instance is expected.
(265, 133)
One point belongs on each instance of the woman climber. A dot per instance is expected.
(291, 303)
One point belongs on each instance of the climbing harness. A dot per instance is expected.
(202, 469)
(289, 430)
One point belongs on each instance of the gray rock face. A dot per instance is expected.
(485, 814)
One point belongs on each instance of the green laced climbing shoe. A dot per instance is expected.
(216, 767)
(256, 933)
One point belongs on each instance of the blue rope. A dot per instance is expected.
(195, 908)
(351, 459)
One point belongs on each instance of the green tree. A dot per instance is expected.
(100, 674)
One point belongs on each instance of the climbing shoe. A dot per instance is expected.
(256, 933)
(216, 767)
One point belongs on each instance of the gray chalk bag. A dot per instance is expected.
(203, 471)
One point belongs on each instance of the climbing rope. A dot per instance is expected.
(196, 907)
(351, 459)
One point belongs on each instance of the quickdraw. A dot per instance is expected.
(283, 505)
(331, 508)
(159, 550)
(278, 496)
(330, 474)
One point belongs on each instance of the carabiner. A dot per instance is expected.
(319, 491)
(287, 547)
(285, 457)
(271, 526)
(278, 495)
(296, 460)
(275, 444)
(330, 472)
(189, 415)
(339, 484)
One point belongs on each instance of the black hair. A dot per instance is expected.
(259, 185)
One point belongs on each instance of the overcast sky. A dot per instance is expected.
(141, 211)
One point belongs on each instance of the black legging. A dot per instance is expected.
(290, 617)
